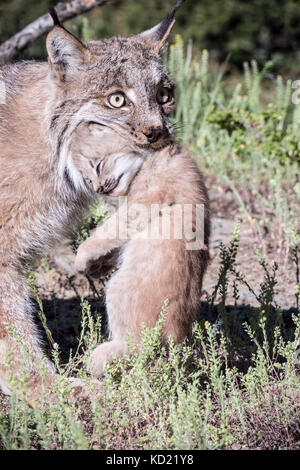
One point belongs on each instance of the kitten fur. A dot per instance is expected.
(150, 270)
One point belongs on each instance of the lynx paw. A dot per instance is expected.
(105, 353)
(80, 390)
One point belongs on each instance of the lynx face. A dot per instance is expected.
(105, 159)
(119, 84)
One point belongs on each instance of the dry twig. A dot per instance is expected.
(65, 11)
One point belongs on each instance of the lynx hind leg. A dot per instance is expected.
(125, 313)
(120, 321)
(131, 300)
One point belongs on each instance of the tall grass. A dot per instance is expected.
(247, 144)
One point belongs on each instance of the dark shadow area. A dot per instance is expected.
(64, 317)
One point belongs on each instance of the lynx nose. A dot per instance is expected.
(153, 135)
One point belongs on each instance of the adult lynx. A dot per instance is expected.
(149, 239)
(117, 83)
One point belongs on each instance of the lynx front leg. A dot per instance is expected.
(23, 367)
(20, 351)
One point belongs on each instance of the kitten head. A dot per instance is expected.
(105, 159)
(119, 84)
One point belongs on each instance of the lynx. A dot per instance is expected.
(119, 84)
(151, 269)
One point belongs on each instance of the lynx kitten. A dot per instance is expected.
(152, 267)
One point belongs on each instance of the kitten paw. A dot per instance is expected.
(82, 260)
(105, 353)
(80, 390)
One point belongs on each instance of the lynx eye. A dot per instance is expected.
(164, 95)
(117, 100)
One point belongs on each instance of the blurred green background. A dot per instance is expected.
(236, 30)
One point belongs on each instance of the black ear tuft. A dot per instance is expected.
(156, 38)
(167, 22)
(176, 7)
(54, 16)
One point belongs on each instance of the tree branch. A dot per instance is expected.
(65, 11)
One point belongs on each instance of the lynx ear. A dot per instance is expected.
(65, 52)
(157, 37)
